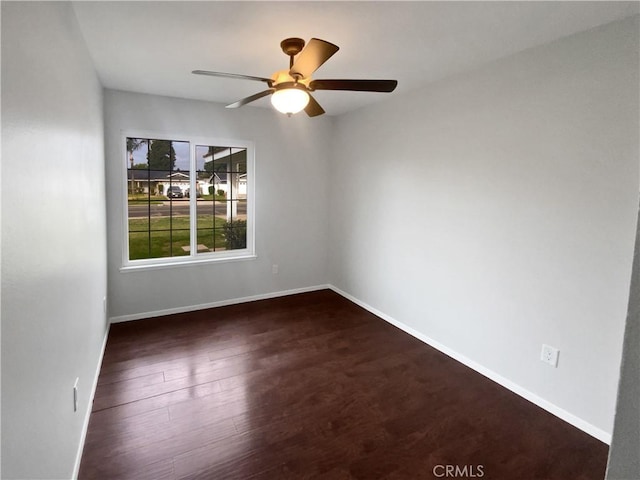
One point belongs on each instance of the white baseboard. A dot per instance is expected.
(220, 303)
(85, 426)
(506, 383)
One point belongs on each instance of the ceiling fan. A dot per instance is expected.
(291, 89)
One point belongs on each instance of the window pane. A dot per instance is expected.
(137, 149)
(210, 231)
(169, 243)
(139, 246)
(158, 210)
(181, 163)
(222, 210)
(138, 223)
(177, 185)
(168, 155)
(210, 240)
(205, 220)
(235, 234)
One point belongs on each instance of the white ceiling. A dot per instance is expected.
(152, 47)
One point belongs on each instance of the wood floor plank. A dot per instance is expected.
(133, 409)
(120, 470)
(119, 371)
(112, 397)
(105, 427)
(164, 440)
(310, 386)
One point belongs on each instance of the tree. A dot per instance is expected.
(133, 144)
(161, 155)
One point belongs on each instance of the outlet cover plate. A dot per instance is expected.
(550, 355)
(75, 394)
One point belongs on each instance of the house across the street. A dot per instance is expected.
(156, 183)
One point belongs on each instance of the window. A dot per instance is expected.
(187, 200)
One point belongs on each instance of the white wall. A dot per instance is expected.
(624, 454)
(496, 211)
(292, 157)
(53, 239)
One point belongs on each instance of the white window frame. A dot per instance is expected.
(194, 258)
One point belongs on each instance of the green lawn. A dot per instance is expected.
(160, 242)
(219, 198)
(144, 197)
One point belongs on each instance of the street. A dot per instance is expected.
(181, 207)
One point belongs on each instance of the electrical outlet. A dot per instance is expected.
(75, 394)
(104, 304)
(274, 269)
(550, 355)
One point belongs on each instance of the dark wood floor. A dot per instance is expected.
(311, 386)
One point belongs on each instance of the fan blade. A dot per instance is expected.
(250, 99)
(311, 57)
(313, 108)
(355, 85)
(233, 75)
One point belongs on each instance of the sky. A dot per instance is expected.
(182, 155)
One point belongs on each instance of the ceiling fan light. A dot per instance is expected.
(290, 100)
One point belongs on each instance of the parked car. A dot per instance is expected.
(174, 192)
(188, 191)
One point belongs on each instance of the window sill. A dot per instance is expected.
(187, 263)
